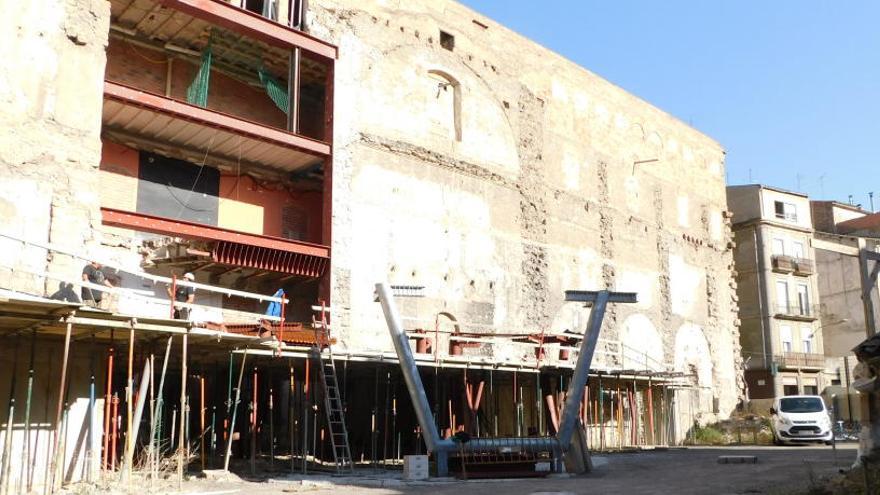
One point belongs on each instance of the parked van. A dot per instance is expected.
(800, 418)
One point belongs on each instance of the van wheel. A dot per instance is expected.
(828, 442)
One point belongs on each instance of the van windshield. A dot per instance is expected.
(801, 405)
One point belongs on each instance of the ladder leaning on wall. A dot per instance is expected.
(323, 355)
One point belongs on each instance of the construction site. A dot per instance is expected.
(327, 236)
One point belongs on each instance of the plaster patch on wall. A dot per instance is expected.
(692, 354)
(642, 282)
(685, 281)
(684, 212)
(642, 344)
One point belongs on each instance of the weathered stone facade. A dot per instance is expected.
(498, 174)
(489, 169)
(51, 80)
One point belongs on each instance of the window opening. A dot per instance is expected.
(447, 41)
(785, 211)
(785, 337)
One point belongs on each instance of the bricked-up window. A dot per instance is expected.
(294, 223)
(447, 41)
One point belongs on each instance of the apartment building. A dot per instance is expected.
(777, 285)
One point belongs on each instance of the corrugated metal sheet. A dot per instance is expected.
(174, 136)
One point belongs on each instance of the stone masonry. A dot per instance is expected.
(498, 174)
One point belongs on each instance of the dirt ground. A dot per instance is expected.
(780, 470)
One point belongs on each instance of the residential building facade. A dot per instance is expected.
(777, 284)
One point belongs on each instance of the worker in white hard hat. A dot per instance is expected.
(184, 295)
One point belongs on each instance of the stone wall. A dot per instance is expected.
(498, 175)
(51, 82)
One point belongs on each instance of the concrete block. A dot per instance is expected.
(415, 467)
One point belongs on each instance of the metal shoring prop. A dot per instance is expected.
(202, 409)
(90, 444)
(26, 472)
(108, 398)
(60, 409)
(183, 447)
(254, 424)
(291, 420)
(385, 421)
(271, 430)
(155, 433)
(5, 471)
(234, 407)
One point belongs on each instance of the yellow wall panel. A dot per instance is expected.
(243, 217)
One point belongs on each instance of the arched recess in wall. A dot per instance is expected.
(641, 344)
(692, 355)
(446, 112)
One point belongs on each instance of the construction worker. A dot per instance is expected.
(184, 295)
(92, 273)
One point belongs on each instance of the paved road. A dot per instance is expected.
(780, 470)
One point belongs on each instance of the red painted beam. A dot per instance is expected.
(210, 118)
(182, 228)
(253, 25)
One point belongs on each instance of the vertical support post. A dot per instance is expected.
(327, 190)
(234, 407)
(60, 409)
(115, 435)
(26, 471)
(182, 446)
(5, 470)
(291, 418)
(271, 431)
(202, 420)
(160, 401)
(254, 425)
(293, 85)
(131, 435)
(107, 406)
(129, 390)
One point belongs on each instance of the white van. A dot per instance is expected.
(800, 418)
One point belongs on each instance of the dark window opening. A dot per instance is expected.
(785, 211)
(447, 40)
(256, 6)
(789, 389)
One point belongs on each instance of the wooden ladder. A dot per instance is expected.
(332, 397)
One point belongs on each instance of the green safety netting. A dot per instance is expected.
(277, 92)
(197, 93)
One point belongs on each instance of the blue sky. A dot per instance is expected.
(790, 88)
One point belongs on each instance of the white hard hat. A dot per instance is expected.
(189, 276)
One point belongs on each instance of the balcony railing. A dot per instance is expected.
(800, 360)
(783, 264)
(797, 311)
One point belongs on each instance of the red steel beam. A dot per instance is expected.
(182, 228)
(211, 118)
(253, 25)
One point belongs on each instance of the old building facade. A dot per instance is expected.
(778, 289)
(322, 150)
